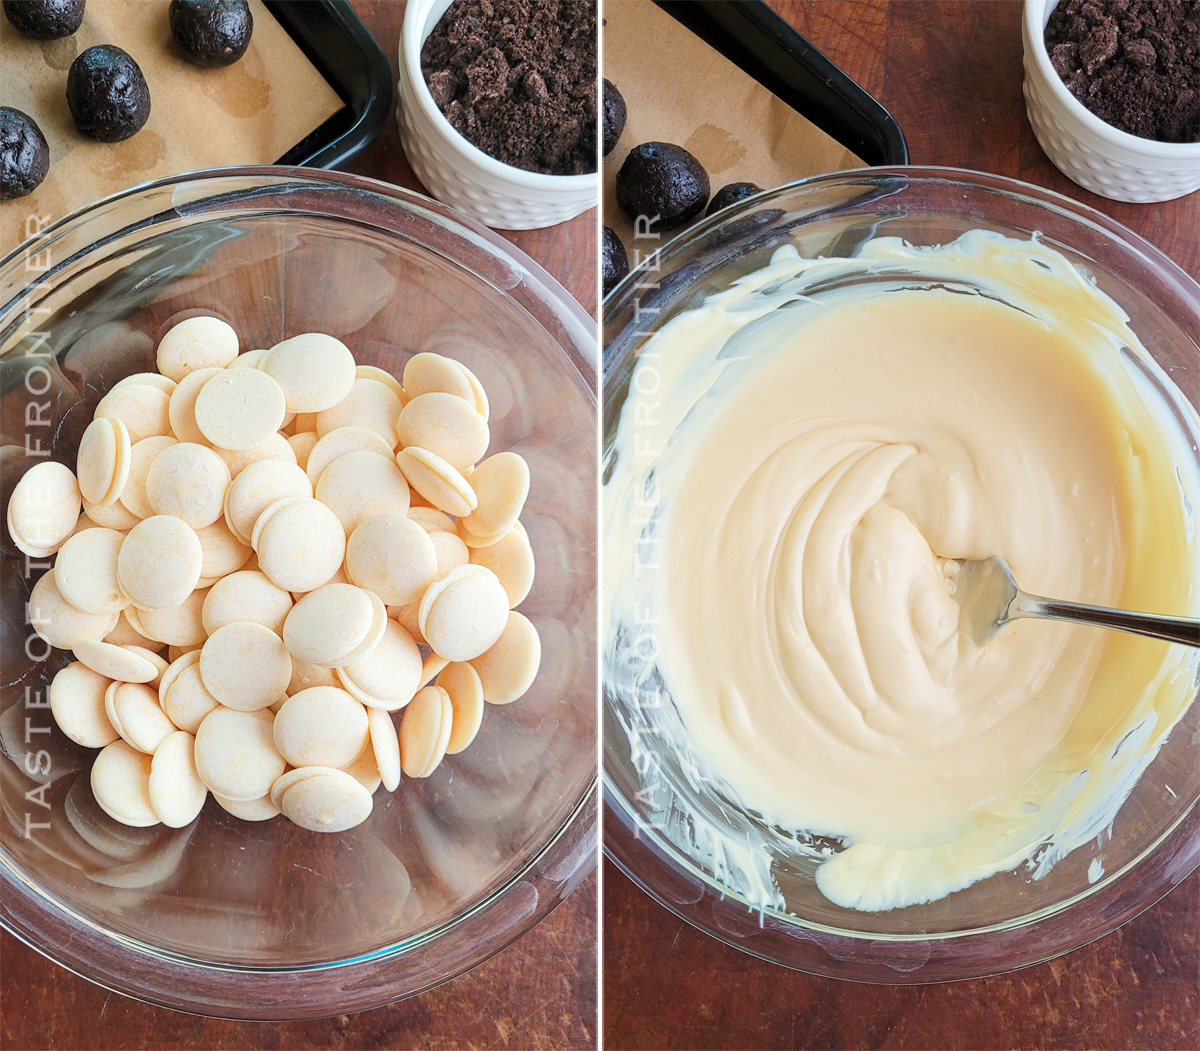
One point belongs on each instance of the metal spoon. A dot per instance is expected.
(990, 598)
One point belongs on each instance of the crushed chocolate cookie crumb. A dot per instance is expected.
(1135, 64)
(517, 78)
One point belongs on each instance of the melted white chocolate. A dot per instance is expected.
(822, 463)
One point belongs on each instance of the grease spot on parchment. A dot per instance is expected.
(137, 154)
(715, 148)
(59, 54)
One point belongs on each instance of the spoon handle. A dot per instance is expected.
(1172, 629)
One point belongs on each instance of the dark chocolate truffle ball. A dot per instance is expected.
(24, 154)
(107, 94)
(211, 33)
(731, 194)
(658, 179)
(614, 117)
(614, 263)
(44, 19)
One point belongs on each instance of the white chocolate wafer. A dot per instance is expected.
(180, 625)
(385, 743)
(431, 519)
(431, 668)
(323, 726)
(446, 425)
(236, 755)
(257, 487)
(96, 463)
(176, 792)
(441, 484)
(392, 556)
(247, 359)
(330, 801)
(188, 481)
(451, 551)
(125, 634)
(160, 664)
(428, 373)
(120, 781)
(274, 447)
(508, 669)
(340, 442)
(239, 409)
(501, 484)
(177, 664)
(373, 372)
(159, 563)
(261, 809)
(291, 777)
(115, 662)
(86, 571)
(306, 675)
(186, 701)
(135, 714)
(197, 343)
(369, 404)
(143, 409)
(224, 553)
(361, 484)
(111, 516)
(315, 371)
(379, 623)
(511, 559)
(182, 411)
(364, 769)
(77, 704)
(463, 613)
(141, 458)
(389, 675)
(302, 445)
(301, 546)
(329, 623)
(474, 542)
(124, 460)
(245, 666)
(44, 508)
(425, 731)
(60, 623)
(153, 379)
(481, 399)
(461, 682)
(246, 596)
(407, 617)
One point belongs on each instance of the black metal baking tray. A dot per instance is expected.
(759, 42)
(334, 39)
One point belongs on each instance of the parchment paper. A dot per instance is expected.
(252, 112)
(678, 89)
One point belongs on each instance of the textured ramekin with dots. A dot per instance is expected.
(1084, 148)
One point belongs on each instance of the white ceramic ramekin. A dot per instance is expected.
(461, 175)
(1084, 148)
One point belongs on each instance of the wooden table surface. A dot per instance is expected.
(539, 993)
(950, 72)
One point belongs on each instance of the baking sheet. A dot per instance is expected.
(680, 90)
(252, 112)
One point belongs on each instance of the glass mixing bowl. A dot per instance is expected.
(998, 924)
(266, 920)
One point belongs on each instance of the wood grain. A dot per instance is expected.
(950, 72)
(538, 993)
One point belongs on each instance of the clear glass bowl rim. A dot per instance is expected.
(166, 979)
(651, 862)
